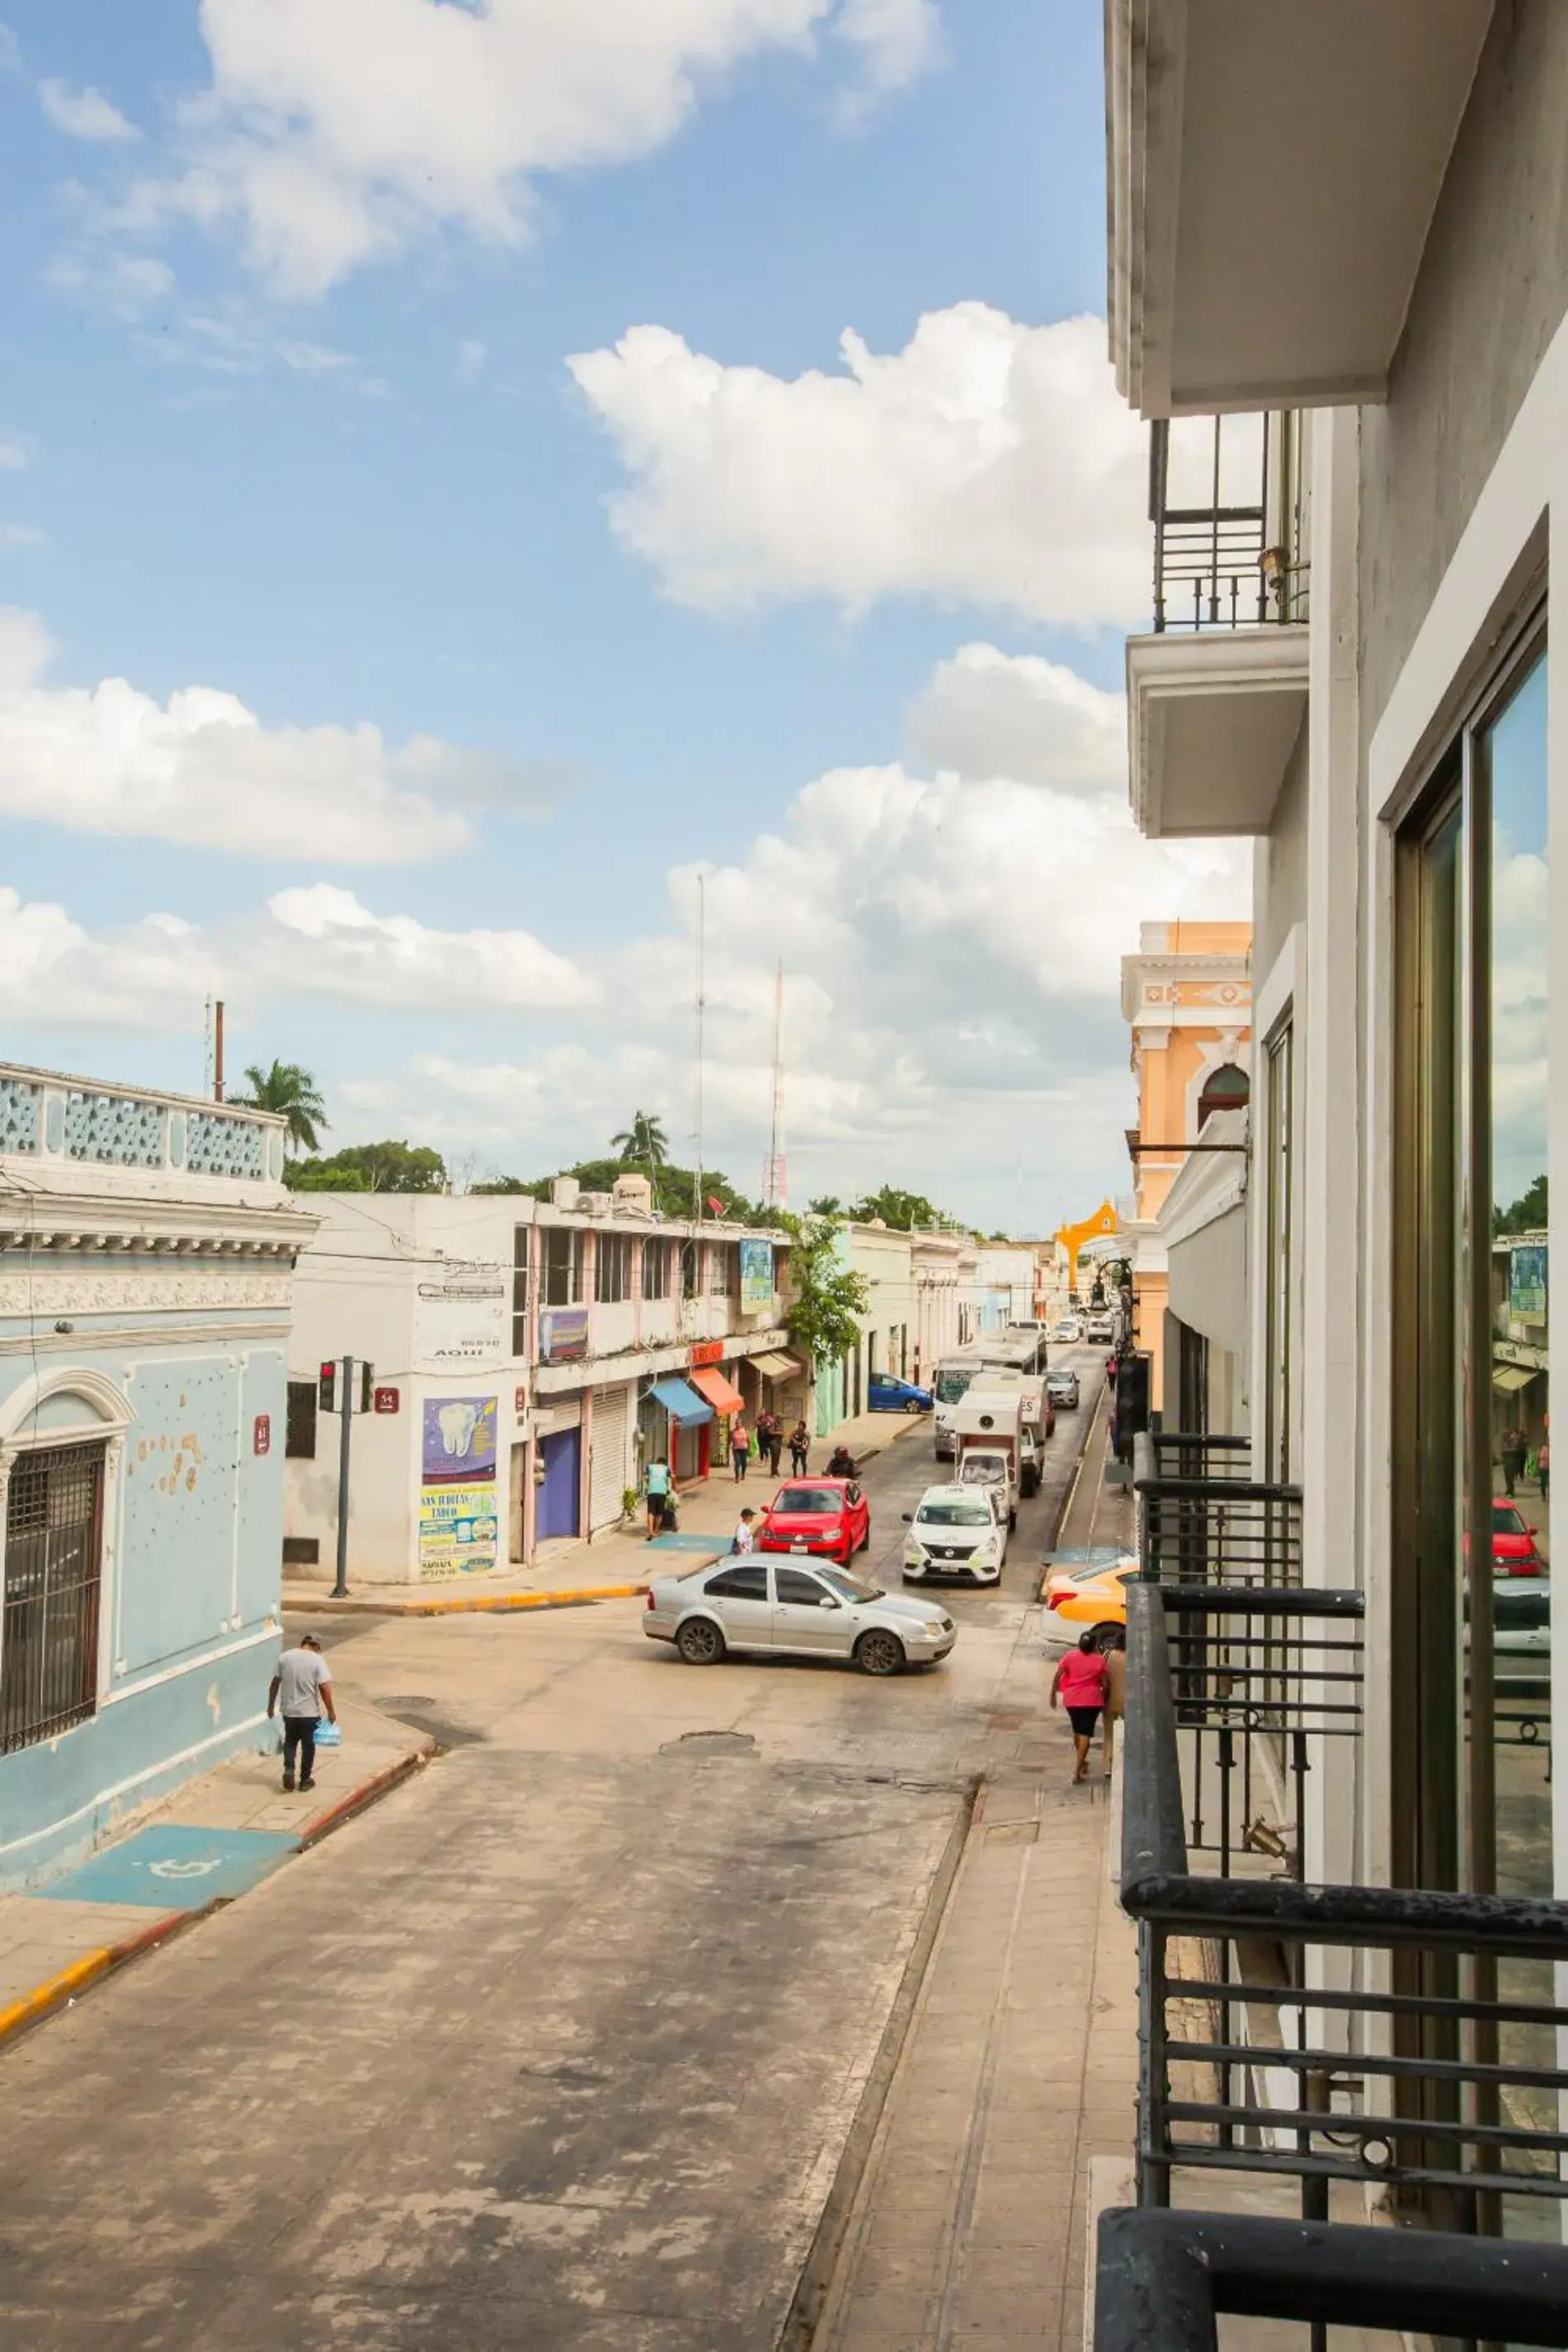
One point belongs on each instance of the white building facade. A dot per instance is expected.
(528, 1361)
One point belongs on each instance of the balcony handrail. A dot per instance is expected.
(1162, 2278)
(1222, 1490)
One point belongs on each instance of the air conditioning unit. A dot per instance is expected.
(599, 1204)
(564, 1191)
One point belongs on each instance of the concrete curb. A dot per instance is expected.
(462, 1605)
(58, 1990)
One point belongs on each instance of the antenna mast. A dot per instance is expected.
(207, 1049)
(775, 1174)
(701, 1007)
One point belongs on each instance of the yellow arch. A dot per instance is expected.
(1073, 1237)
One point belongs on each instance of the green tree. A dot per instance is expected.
(501, 1184)
(827, 1204)
(827, 1301)
(900, 1210)
(292, 1090)
(1527, 1214)
(387, 1167)
(644, 1140)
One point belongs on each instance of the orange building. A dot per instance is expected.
(1186, 996)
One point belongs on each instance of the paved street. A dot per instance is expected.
(562, 2043)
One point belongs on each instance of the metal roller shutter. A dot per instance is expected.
(607, 1462)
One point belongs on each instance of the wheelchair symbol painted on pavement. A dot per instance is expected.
(195, 1869)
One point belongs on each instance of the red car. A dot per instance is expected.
(827, 1517)
(1513, 1541)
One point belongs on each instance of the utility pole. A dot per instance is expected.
(775, 1180)
(207, 1047)
(701, 1008)
(217, 1051)
(339, 1589)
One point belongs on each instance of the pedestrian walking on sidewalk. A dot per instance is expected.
(740, 1446)
(1115, 1692)
(799, 1449)
(1080, 1686)
(1513, 1449)
(304, 1684)
(775, 1443)
(657, 1494)
(1544, 1469)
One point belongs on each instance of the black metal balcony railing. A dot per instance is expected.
(1209, 1525)
(1225, 499)
(1400, 2039)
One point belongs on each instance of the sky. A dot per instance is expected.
(469, 468)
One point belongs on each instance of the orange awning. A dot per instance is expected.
(718, 1390)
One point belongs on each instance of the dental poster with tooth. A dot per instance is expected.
(459, 1518)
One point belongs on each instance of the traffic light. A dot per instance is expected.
(366, 1386)
(327, 1388)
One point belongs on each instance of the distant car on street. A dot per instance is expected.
(1100, 1330)
(885, 1394)
(1069, 1332)
(747, 1604)
(1514, 1550)
(828, 1516)
(1061, 1388)
(958, 1531)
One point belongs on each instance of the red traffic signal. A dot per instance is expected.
(327, 1388)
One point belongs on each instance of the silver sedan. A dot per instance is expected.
(755, 1604)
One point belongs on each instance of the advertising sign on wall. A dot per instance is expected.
(563, 1335)
(459, 1512)
(460, 1316)
(459, 1530)
(459, 1439)
(756, 1278)
(1527, 1282)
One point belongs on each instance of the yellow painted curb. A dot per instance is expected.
(54, 1991)
(469, 1603)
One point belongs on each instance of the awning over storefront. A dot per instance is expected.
(719, 1393)
(681, 1401)
(1510, 1376)
(776, 1367)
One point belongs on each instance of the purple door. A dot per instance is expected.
(558, 1498)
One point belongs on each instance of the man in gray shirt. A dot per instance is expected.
(305, 1685)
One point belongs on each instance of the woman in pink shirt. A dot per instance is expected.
(1080, 1688)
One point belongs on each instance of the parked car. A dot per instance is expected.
(885, 1394)
(958, 1531)
(817, 1515)
(1086, 1599)
(751, 1604)
(1514, 1552)
(1061, 1388)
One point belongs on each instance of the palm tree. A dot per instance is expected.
(292, 1090)
(643, 1139)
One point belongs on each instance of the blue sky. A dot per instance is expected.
(358, 486)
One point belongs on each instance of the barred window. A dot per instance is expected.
(519, 1290)
(562, 1270)
(656, 1269)
(48, 1613)
(613, 1278)
(300, 1437)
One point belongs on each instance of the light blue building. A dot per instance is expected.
(147, 1247)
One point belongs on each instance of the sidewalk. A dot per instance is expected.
(207, 1843)
(611, 1566)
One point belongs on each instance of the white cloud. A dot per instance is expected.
(985, 463)
(22, 534)
(126, 285)
(985, 714)
(952, 944)
(13, 458)
(471, 364)
(332, 135)
(202, 770)
(84, 114)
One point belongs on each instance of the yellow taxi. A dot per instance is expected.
(1088, 1600)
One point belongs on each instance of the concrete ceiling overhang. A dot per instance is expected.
(1274, 168)
(1212, 720)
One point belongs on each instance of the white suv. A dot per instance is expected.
(960, 1531)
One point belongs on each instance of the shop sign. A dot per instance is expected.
(461, 1312)
(563, 1335)
(261, 1434)
(459, 1436)
(756, 1278)
(520, 1401)
(459, 1530)
(387, 1400)
(1527, 1282)
(705, 1351)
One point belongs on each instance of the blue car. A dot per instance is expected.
(885, 1394)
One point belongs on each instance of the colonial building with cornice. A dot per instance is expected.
(147, 1250)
